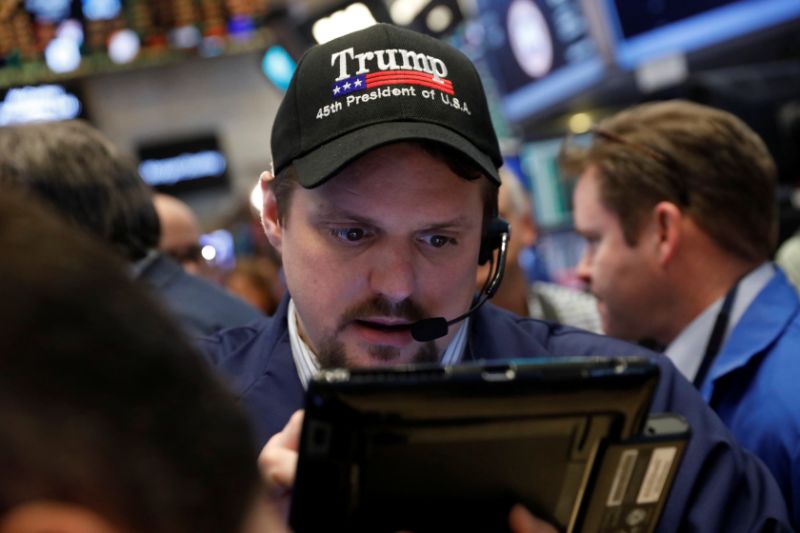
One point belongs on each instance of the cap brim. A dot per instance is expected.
(316, 167)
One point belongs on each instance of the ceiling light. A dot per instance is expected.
(403, 12)
(439, 19)
(355, 17)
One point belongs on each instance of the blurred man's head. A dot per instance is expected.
(84, 177)
(515, 207)
(111, 421)
(180, 232)
(386, 164)
(667, 190)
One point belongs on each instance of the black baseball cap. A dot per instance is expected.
(376, 86)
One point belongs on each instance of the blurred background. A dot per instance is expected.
(190, 87)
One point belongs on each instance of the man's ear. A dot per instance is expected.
(269, 211)
(667, 220)
(54, 517)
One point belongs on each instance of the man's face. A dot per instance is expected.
(622, 277)
(391, 239)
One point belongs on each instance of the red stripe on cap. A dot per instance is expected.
(400, 81)
(409, 75)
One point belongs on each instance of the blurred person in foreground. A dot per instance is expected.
(537, 299)
(379, 204)
(85, 178)
(677, 203)
(110, 421)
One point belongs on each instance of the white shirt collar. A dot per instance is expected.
(305, 360)
(686, 351)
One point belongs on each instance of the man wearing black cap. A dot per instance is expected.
(382, 204)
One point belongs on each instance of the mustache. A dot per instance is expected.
(406, 309)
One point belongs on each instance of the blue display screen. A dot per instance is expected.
(642, 31)
(540, 52)
(174, 166)
(37, 103)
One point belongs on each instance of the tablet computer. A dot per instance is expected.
(432, 448)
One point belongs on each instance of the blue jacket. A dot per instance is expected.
(201, 307)
(719, 486)
(754, 384)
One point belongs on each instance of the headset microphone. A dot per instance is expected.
(429, 329)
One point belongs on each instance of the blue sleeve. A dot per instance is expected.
(795, 485)
(719, 486)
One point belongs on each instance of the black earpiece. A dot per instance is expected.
(497, 236)
(491, 241)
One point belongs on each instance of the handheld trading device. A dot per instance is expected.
(431, 448)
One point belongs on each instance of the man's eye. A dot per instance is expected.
(591, 245)
(349, 234)
(438, 241)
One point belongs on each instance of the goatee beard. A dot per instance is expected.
(331, 352)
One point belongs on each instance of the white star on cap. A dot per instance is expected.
(336, 89)
(357, 83)
(346, 85)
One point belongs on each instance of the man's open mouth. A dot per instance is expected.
(399, 328)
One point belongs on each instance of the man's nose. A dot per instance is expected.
(583, 270)
(392, 274)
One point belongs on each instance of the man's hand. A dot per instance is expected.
(277, 463)
(522, 521)
(278, 460)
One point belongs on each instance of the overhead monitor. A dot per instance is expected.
(540, 53)
(175, 166)
(643, 31)
(38, 103)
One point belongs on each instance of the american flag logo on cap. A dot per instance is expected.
(371, 80)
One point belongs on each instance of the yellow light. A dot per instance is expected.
(580, 123)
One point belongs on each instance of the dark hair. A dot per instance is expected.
(103, 404)
(704, 160)
(286, 180)
(85, 177)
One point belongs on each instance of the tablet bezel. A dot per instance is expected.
(368, 433)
